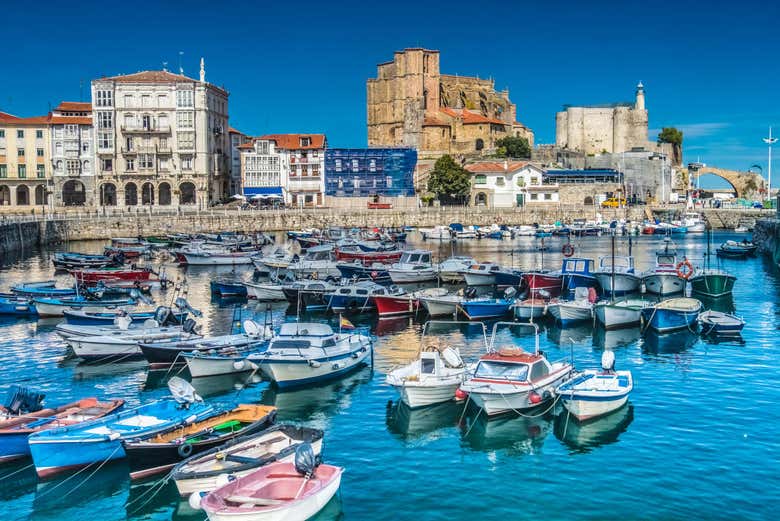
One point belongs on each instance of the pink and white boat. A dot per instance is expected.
(275, 492)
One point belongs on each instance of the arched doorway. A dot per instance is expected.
(187, 193)
(108, 194)
(40, 195)
(147, 194)
(22, 195)
(73, 193)
(5, 196)
(164, 194)
(480, 199)
(480, 144)
(131, 194)
(588, 201)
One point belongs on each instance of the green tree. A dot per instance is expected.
(512, 146)
(449, 181)
(670, 135)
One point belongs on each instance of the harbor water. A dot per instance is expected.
(698, 439)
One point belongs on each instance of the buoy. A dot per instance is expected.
(238, 365)
(534, 397)
(461, 395)
(195, 498)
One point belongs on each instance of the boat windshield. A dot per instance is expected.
(503, 370)
(665, 259)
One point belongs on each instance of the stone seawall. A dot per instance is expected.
(766, 235)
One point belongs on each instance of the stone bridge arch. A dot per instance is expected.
(742, 182)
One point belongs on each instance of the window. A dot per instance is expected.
(185, 98)
(162, 100)
(539, 370)
(22, 171)
(500, 181)
(146, 122)
(40, 171)
(305, 141)
(372, 165)
(85, 147)
(104, 140)
(163, 163)
(20, 134)
(107, 165)
(263, 147)
(38, 152)
(186, 162)
(534, 180)
(534, 197)
(3, 171)
(389, 182)
(128, 101)
(186, 140)
(146, 101)
(354, 165)
(129, 144)
(85, 166)
(19, 152)
(105, 120)
(104, 98)
(39, 134)
(130, 164)
(58, 166)
(480, 179)
(162, 121)
(186, 119)
(356, 182)
(2, 134)
(146, 161)
(490, 369)
(548, 197)
(338, 165)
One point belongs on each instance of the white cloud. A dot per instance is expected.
(695, 130)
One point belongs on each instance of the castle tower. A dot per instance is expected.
(640, 97)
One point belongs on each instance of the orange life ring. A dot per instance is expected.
(567, 250)
(687, 272)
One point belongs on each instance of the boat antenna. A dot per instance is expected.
(612, 279)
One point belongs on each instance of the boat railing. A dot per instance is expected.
(535, 327)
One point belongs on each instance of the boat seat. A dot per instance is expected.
(241, 459)
(141, 420)
(253, 500)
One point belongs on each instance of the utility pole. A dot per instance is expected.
(769, 141)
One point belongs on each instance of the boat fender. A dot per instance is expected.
(238, 365)
(684, 269)
(195, 499)
(567, 250)
(190, 419)
(460, 394)
(336, 366)
(354, 355)
(114, 436)
(184, 450)
(314, 363)
(534, 397)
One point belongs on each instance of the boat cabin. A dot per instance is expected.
(416, 257)
(319, 253)
(577, 266)
(365, 289)
(302, 335)
(623, 264)
(484, 267)
(511, 365)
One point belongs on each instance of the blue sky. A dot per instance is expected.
(712, 70)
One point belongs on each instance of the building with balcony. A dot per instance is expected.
(161, 140)
(72, 154)
(237, 139)
(369, 175)
(25, 165)
(509, 184)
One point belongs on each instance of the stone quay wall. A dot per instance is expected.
(766, 234)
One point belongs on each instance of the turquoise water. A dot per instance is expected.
(698, 439)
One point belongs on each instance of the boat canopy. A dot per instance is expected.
(308, 329)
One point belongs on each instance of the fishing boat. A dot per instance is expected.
(404, 303)
(163, 315)
(303, 353)
(577, 273)
(513, 380)
(12, 305)
(617, 270)
(592, 393)
(433, 377)
(720, 323)
(481, 274)
(55, 307)
(438, 232)
(268, 291)
(387, 254)
(18, 420)
(126, 345)
(458, 231)
(69, 260)
(663, 279)
(41, 289)
(737, 250)
(482, 308)
(93, 276)
(694, 222)
(616, 314)
(308, 294)
(414, 266)
(243, 455)
(318, 262)
(543, 284)
(375, 272)
(529, 309)
(275, 261)
(442, 305)
(227, 361)
(217, 257)
(228, 287)
(451, 270)
(278, 491)
(580, 309)
(73, 447)
(359, 297)
(671, 315)
(711, 282)
(151, 456)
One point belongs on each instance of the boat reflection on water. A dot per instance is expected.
(207, 386)
(583, 437)
(87, 371)
(615, 337)
(320, 401)
(82, 498)
(155, 495)
(390, 325)
(18, 479)
(565, 336)
(423, 423)
(518, 435)
(724, 304)
(676, 342)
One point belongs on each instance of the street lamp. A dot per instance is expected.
(770, 141)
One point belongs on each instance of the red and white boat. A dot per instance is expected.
(367, 258)
(276, 492)
(409, 303)
(537, 281)
(88, 276)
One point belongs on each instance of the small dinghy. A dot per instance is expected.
(45, 288)
(160, 453)
(432, 378)
(243, 455)
(671, 315)
(23, 415)
(719, 323)
(594, 393)
(12, 305)
(228, 287)
(279, 491)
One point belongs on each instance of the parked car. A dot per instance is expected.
(757, 204)
(613, 202)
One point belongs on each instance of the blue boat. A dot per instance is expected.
(12, 305)
(228, 287)
(508, 278)
(41, 289)
(55, 307)
(356, 270)
(74, 447)
(578, 273)
(480, 308)
(89, 318)
(671, 315)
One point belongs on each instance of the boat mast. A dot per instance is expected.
(612, 278)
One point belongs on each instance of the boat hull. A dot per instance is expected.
(517, 398)
(476, 310)
(409, 276)
(422, 396)
(479, 279)
(664, 284)
(265, 292)
(538, 282)
(711, 285)
(387, 306)
(440, 307)
(583, 409)
(529, 311)
(203, 366)
(293, 373)
(567, 314)
(624, 283)
(613, 316)
(668, 320)
(216, 259)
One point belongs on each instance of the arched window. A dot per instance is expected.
(22, 195)
(40, 195)
(73, 193)
(5, 196)
(187, 193)
(108, 194)
(164, 194)
(131, 194)
(147, 194)
(480, 199)
(588, 201)
(480, 144)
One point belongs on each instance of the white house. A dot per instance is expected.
(509, 184)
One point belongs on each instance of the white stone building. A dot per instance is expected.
(237, 138)
(509, 184)
(73, 154)
(162, 140)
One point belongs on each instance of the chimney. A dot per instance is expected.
(202, 71)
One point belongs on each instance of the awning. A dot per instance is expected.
(263, 190)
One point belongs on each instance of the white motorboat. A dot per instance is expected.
(432, 378)
(568, 312)
(594, 393)
(150, 327)
(694, 222)
(513, 380)
(203, 364)
(437, 232)
(124, 345)
(529, 309)
(221, 257)
(620, 313)
(442, 305)
(525, 231)
(274, 262)
(663, 278)
(268, 291)
(414, 266)
(304, 352)
(318, 262)
(451, 269)
(622, 272)
(481, 274)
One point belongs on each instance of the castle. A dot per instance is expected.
(411, 104)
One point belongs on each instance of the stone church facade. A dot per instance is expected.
(411, 104)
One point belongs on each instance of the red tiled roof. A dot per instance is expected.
(74, 106)
(246, 146)
(4, 116)
(35, 120)
(495, 166)
(293, 141)
(155, 77)
(71, 120)
(231, 130)
(470, 118)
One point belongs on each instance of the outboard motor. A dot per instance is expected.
(188, 326)
(608, 362)
(470, 292)
(21, 400)
(182, 304)
(162, 314)
(305, 460)
(509, 293)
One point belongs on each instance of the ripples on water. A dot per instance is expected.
(697, 440)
